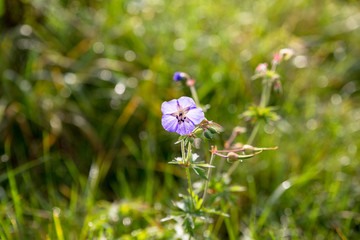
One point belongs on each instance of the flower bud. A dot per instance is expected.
(232, 156)
(276, 59)
(239, 130)
(180, 76)
(208, 134)
(190, 82)
(261, 68)
(248, 149)
(212, 130)
(286, 53)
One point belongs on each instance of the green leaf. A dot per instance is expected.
(212, 211)
(168, 218)
(189, 224)
(177, 160)
(198, 203)
(182, 138)
(176, 163)
(237, 188)
(177, 214)
(180, 205)
(199, 171)
(206, 165)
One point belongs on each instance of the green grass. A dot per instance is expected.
(79, 161)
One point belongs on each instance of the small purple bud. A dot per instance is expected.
(180, 76)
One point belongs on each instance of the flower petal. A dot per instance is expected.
(186, 102)
(169, 123)
(185, 128)
(169, 107)
(196, 115)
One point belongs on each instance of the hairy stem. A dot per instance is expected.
(253, 133)
(195, 96)
(183, 150)
(186, 160)
(263, 93)
(207, 181)
(190, 188)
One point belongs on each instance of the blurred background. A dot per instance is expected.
(83, 153)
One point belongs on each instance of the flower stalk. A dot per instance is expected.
(194, 94)
(264, 101)
(190, 187)
(186, 161)
(208, 175)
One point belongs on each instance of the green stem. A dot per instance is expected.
(190, 188)
(268, 92)
(183, 151)
(188, 154)
(253, 133)
(264, 100)
(195, 96)
(229, 225)
(207, 181)
(186, 160)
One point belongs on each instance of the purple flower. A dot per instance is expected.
(179, 76)
(181, 115)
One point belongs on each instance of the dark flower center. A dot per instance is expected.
(181, 117)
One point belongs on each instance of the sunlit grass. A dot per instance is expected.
(83, 152)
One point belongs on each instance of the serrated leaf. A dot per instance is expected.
(199, 171)
(181, 138)
(176, 162)
(168, 218)
(180, 205)
(212, 211)
(189, 225)
(206, 165)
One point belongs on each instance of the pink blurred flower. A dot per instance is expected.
(277, 58)
(261, 68)
(286, 53)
